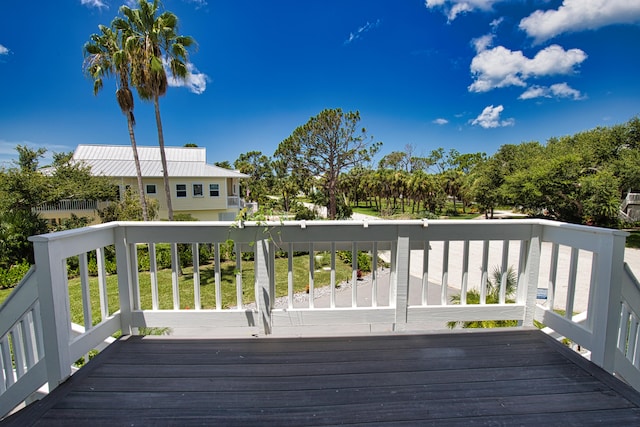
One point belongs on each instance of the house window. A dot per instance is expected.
(151, 189)
(214, 190)
(198, 190)
(181, 190)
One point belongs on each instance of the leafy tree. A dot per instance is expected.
(224, 164)
(260, 170)
(151, 38)
(328, 145)
(24, 187)
(127, 209)
(104, 56)
(73, 180)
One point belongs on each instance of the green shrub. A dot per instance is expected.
(10, 277)
(364, 259)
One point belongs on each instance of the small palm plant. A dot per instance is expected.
(492, 297)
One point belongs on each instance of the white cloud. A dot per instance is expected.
(490, 118)
(496, 23)
(365, 28)
(453, 8)
(441, 121)
(197, 3)
(94, 3)
(3, 50)
(577, 15)
(196, 81)
(558, 90)
(483, 42)
(501, 67)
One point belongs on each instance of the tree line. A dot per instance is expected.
(578, 178)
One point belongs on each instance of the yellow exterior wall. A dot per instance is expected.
(203, 208)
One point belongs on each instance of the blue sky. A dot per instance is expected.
(465, 74)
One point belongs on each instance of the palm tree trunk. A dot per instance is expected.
(163, 158)
(136, 160)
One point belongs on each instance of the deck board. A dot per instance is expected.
(481, 378)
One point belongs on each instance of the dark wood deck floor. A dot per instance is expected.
(481, 378)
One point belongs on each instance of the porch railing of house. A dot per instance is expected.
(38, 347)
(233, 201)
(69, 205)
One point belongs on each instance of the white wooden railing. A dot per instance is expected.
(69, 205)
(430, 261)
(233, 201)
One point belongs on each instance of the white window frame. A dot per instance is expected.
(217, 190)
(193, 189)
(148, 186)
(178, 190)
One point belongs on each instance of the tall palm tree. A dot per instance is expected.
(104, 56)
(151, 39)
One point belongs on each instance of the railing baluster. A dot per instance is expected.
(238, 277)
(135, 276)
(425, 272)
(623, 331)
(153, 276)
(290, 276)
(374, 274)
(445, 273)
(102, 284)
(37, 330)
(465, 272)
(7, 365)
(354, 274)
(272, 272)
(311, 274)
(393, 275)
(633, 333)
(332, 301)
(504, 271)
(571, 285)
(485, 272)
(217, 281)
(553, 275)
(28, 338)
(175, 284)
(18, 350)
(196, 276)
(86, 291)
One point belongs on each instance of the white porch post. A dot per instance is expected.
(124, 270)
(605, 299)
(528, 290)
(263, 284)
(53, 294)
(401, 299)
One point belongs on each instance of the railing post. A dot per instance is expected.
(528, 291)
(124, 270)
(403, 255)
(605, 300)
(263, 284)
(53, 295)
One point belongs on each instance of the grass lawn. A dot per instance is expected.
(207, 286)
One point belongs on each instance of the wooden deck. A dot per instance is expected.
(519, 377)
